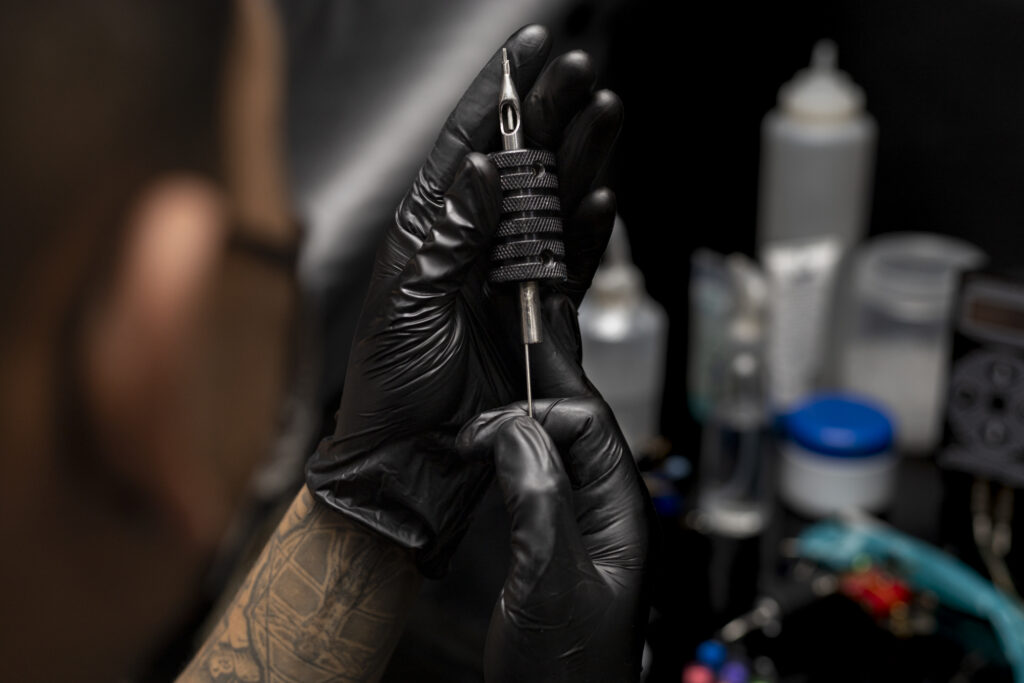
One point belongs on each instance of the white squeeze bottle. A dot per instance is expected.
(817, 157)
(624, 333)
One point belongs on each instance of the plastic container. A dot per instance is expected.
(894, 344)
(802, 280)
(712, 301)
(837, 456)
(736, 452)
(624, 333)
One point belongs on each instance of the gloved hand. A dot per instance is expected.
(573, 607)
(435, 345)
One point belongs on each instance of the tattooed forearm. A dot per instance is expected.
(326, 600)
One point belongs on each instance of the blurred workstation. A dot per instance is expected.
(809, 322)
(841, 426)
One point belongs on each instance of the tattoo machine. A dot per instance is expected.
(528, 248)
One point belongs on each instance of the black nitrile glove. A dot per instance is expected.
(573, 606)
(435, 345)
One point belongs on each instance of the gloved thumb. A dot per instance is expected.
(471, 207)
(553, 601)
(587, 432)
(547, 550)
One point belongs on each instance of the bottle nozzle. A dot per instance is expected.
(822, 92)
(825, 55)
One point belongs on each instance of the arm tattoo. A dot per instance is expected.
(325, 601)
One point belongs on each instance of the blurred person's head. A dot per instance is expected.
(140, 356)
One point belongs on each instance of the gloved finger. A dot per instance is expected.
(611, 502)
(477, 438)
(546, 545)
(585, 430)
(587, 145)
(559, 94)
(472, 126)
(457, 239)
(556, 362)
(586, 237)
(554, 602)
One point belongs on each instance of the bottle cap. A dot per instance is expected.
(697, 673)
(733, 672)
(711, 653)
(822, 92)
(618, 280)
(840, 425)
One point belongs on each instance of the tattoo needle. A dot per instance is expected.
(511, 140)
(528, 247)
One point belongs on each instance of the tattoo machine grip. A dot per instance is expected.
(528, 244)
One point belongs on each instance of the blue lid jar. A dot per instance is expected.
(840, 426)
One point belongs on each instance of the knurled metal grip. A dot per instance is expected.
(528, 243)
